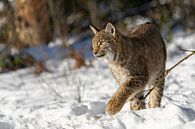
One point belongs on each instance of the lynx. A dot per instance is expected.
(135, 61)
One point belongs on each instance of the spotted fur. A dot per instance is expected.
(134, 60)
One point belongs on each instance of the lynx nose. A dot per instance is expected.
(95, 52)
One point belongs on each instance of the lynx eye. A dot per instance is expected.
(100, 43)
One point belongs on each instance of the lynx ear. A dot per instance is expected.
(94, 29)
(110, 29)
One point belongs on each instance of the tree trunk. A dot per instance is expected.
(10, 35)
(93, 12)
(32, 22)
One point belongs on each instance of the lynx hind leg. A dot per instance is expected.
(137, 102)
(157, 93)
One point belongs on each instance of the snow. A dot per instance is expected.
(75, 99)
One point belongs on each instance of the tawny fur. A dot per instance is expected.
(134, 60)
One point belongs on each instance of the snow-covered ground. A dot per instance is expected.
(51, 100)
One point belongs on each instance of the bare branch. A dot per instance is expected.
(179, 62)
(149, 91)
(186, 50)
(192, 52)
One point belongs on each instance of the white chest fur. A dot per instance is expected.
(120, 73)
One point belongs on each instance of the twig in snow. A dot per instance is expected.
(3, 98)
(53, 90)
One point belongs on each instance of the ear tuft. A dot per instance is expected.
(110, 29)
(94, 29)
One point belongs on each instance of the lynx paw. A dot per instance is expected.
(113, 107)
(137, 104)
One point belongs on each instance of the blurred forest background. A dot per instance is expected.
(44, 25)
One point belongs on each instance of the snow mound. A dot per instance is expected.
(172, 116)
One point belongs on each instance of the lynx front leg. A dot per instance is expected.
(125, 90)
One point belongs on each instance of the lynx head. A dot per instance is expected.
(104, 42)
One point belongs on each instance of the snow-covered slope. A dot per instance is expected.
(50, 101)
